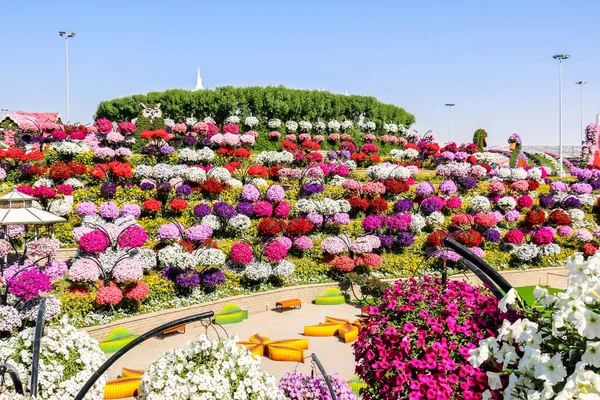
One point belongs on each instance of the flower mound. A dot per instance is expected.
(416, 343)
(210, 369)
(68, 358)
(297, 386)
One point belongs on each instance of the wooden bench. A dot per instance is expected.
(295, 303)
(180, 329)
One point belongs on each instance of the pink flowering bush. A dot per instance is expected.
(134, 236)
(416, 343)
(94, 242)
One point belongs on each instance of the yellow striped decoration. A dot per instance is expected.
(345, 329)
(122, 388)
(276, 350)
(131, 373)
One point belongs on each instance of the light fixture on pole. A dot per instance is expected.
(449, 105)
(67, 35)
(581, 83)
(560, 58)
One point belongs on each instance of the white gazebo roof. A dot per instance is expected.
(28, 216)
(15, 195)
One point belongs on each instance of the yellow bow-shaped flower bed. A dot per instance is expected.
(126, 386)
(276, 350)
(335, 326)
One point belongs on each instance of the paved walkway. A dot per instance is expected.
(336, 356)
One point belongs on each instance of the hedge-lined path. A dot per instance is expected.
(336, 356)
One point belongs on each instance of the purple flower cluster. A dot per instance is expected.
(198, 233)
(109, 210)
(432, 204)
(297, 386)
(245, 208)
(212, 278)
(169, 231)
(403, 205)
(202, 210)
(308, 189)
(188, 279)
(224, 211)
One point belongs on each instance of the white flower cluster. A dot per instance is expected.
(283, 268)
(63, 348)
(480, 204)
(390, 171)
(274, 123)
(556, 355)
(195, 174)
(408, 154)
(507, 203)
(176, 256)
(371, 125)
(326, 206)
(319, 126)
(61, 207)
(347, 124)
(334, 125)
(43, 182)
(390, 128)
(169, 123)
(74, 182)
(435, 219)
(418, 223)
(291, 126)
(203, 155)
(239, 222)
(258, 270)
(486, 157)
(251, 122)
(304, 126)
(210, 257)
(274, 157)
(69, 148)
(209, 119)
(232, 119)
(220, 174)
(209, 370)
(526, 252)
(191, 121)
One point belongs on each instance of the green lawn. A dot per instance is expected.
(526, 292)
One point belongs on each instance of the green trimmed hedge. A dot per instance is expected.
(262, 102)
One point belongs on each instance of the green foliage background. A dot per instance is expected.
(262, 102)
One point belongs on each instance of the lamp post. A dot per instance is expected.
(449, 105)
(67, 35)
(560, 58)
(581, 83)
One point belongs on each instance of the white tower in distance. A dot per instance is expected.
(199, 81)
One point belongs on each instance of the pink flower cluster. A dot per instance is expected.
(415, 344)
(94, 242)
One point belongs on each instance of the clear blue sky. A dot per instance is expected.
(493, 61)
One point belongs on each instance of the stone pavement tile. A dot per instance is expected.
(335, 355)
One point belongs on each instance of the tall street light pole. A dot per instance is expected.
(560, 58)
(67, 35)
(449, 105)
(581, 83)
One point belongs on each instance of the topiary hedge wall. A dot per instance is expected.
(262, 102)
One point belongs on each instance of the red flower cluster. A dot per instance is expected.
(17, 154)
(436, 237)
(152, 206)
(225, 151)
(470, 238)
(535, 217)
(533, 185)
(311, 145)
(589, 249)
(213, 186)
(271, 226)
(461, 220)
(242, 152)
(178, 205)
(119, 169)
(395, 186)
(559, 217)
(157, 134)
(289, 146)
(298, 227)
(258, 170)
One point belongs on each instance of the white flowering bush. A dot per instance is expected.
(319, 126)
(408, 154)
(251, 122)
(191, 121)
(334, 125)
(554, 351)
(304, 126)
(389, 171)
(274, 123)
(274, 158)
(68, 358)
(232, 119)
(208, 369)
(347, 124)
(291, 126)
(191, 156)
